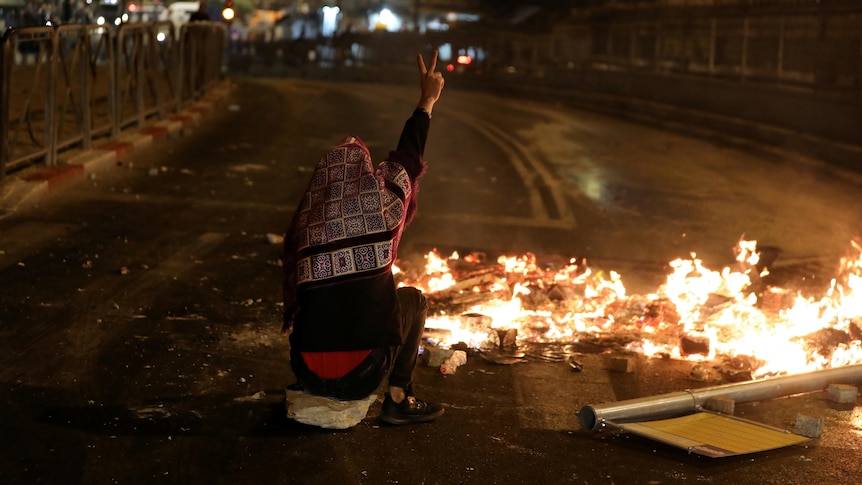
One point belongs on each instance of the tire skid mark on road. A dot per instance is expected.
(93, 335)
(22, 240)
(184, 201)
(79, 330)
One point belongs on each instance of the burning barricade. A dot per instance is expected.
(698, 314)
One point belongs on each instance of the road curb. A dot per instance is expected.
(30, 186)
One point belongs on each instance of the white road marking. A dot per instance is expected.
(530, 170)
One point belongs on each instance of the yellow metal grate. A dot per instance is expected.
(714, 435)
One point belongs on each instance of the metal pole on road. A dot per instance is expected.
(594, 417)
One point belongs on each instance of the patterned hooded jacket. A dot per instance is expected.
(339, 292)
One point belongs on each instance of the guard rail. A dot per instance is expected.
(64, 87)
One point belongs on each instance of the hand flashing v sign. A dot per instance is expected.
(430, 81)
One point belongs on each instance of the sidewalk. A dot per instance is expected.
(28, 187)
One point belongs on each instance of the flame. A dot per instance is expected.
(718, 313)
(438, 270)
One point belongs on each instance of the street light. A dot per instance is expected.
(228, 13)
(330, 21)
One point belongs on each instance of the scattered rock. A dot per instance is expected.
(625, 365)
(808, 426)
(721, 405)
(274, 238)
(843, 393)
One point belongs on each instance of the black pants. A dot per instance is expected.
(398, 362)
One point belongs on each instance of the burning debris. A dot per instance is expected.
(729, 317)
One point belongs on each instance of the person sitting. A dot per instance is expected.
(350, 327)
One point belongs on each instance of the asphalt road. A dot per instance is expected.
(140, 309)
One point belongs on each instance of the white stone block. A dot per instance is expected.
(326, 412)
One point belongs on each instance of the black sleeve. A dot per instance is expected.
(414, 134)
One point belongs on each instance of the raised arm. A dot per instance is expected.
(412, 141)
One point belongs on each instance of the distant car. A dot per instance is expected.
(147, 13)
(464, 64)
(108, 14)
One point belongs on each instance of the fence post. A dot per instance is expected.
(712, 32)
(780, 68)
(84, 85)
(113, 48)
(179, 59)
(5, 72)
(743, 63)
(51, 100)
(140, 50)
(153, 53)
(657, 54)
(822, 63)
(192, 71)
(609, 43)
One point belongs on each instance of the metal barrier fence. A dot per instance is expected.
(783, 73)
(64, 87)
(814, 44)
